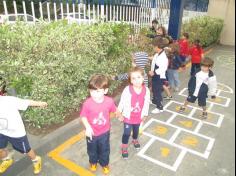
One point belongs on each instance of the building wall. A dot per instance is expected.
(224, 9)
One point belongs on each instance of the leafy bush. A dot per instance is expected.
(53, 63)
(206, 29)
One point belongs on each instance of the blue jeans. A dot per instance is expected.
(127, 132)
(98, 149)
(173, 76)
(157, 87)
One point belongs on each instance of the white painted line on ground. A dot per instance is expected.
(175, 135)
(158, 162)
(203, 155)
(171, 118)
(199, 126)
(179, 159)
(145, 148)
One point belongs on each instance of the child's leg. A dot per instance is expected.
(104, 149)
(127, 133)
(157, 85)
(167, 91)
(170, 78)
(32, 155)
(3, 154)
(192, 69)
(176, 79)
(92, 150)
(135, 136)
(3, 145)
(136, 131)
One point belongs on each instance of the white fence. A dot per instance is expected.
(140, 12)
(135, 12)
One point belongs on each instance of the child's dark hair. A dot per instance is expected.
(175, 48)
(135, 69)
(160, 42)
(197, 43)
(98, 81)
(207, 62)
(186, 35)
(163, 30)
(155, 21)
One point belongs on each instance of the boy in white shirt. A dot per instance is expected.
(12, 129)
(158, 72)
(200, 86)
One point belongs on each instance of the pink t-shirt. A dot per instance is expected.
(98, 114)
(137, 103)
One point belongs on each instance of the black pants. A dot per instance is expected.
(127, 132)
(99, 149)
(157, 87)
(195, 68)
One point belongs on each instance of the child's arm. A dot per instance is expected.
(89, 131)
(212, 87)
(37, 103)
(146, 105)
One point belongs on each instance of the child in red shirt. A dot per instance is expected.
(196, 53)
(184, 47)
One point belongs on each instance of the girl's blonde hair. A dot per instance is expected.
(133, 70)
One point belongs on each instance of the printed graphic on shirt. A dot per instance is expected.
(3, 124)
(100, 120)
(136, 109)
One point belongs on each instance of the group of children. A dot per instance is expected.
(132, 110)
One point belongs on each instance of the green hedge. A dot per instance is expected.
(206, 29)
(53, 62)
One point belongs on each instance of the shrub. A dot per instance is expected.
(53, 62)
(206, 29)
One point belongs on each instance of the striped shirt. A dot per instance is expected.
(141, 59)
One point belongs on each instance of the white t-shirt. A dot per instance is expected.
(201, 77)
(11, 123)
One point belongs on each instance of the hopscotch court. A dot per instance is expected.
(173, 137)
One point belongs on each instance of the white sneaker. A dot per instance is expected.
(156, 111)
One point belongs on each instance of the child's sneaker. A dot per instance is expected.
(37, 165)
(204, 116)
(124, 151)
(136, 144)
(93, 167)
(156, 111)
(168, 98)
(5, 165)
(106, 170)
(182, 109)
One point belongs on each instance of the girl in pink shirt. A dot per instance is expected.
(134, 105)
(95, 115)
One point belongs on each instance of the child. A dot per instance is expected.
(175, 63)
(199, 85)
(184, 47)
(12, 129)
(139, 59)
(95, 115)
(158, 73)
(134, 105)
(196, 53)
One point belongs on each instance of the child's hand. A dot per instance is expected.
(89, 133)
(43, 104)
(144, 118)
(121, 118)
(151, 73)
